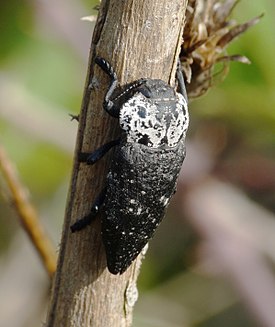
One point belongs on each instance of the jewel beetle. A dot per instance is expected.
(145, 165)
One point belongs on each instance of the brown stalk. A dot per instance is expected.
(27, 214)
(140, 39)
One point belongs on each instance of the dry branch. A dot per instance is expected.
(141, 39)
(27, 214)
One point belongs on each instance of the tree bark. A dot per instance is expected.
(140, 38)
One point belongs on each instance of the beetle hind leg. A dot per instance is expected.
(87, 220)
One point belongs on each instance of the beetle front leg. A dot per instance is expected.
(108, 104)
(87, 220)
(113, 104)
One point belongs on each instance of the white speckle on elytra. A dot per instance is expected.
(164, 200)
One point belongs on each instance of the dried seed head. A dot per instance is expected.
(207, 33)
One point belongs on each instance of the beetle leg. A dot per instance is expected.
(85, 221)
(180, 79)
(92, 158)
(108, 104)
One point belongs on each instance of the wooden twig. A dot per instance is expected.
(141, 39)
(27, 214)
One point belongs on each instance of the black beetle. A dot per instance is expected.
(145, 165)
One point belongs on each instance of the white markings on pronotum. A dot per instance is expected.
(154, 124)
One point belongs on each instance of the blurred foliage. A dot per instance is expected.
(16, 21)
(42, 63)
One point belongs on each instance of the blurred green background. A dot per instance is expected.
(43, 59)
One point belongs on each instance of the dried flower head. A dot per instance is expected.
(207, 33)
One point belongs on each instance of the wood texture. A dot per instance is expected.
(141, 38)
